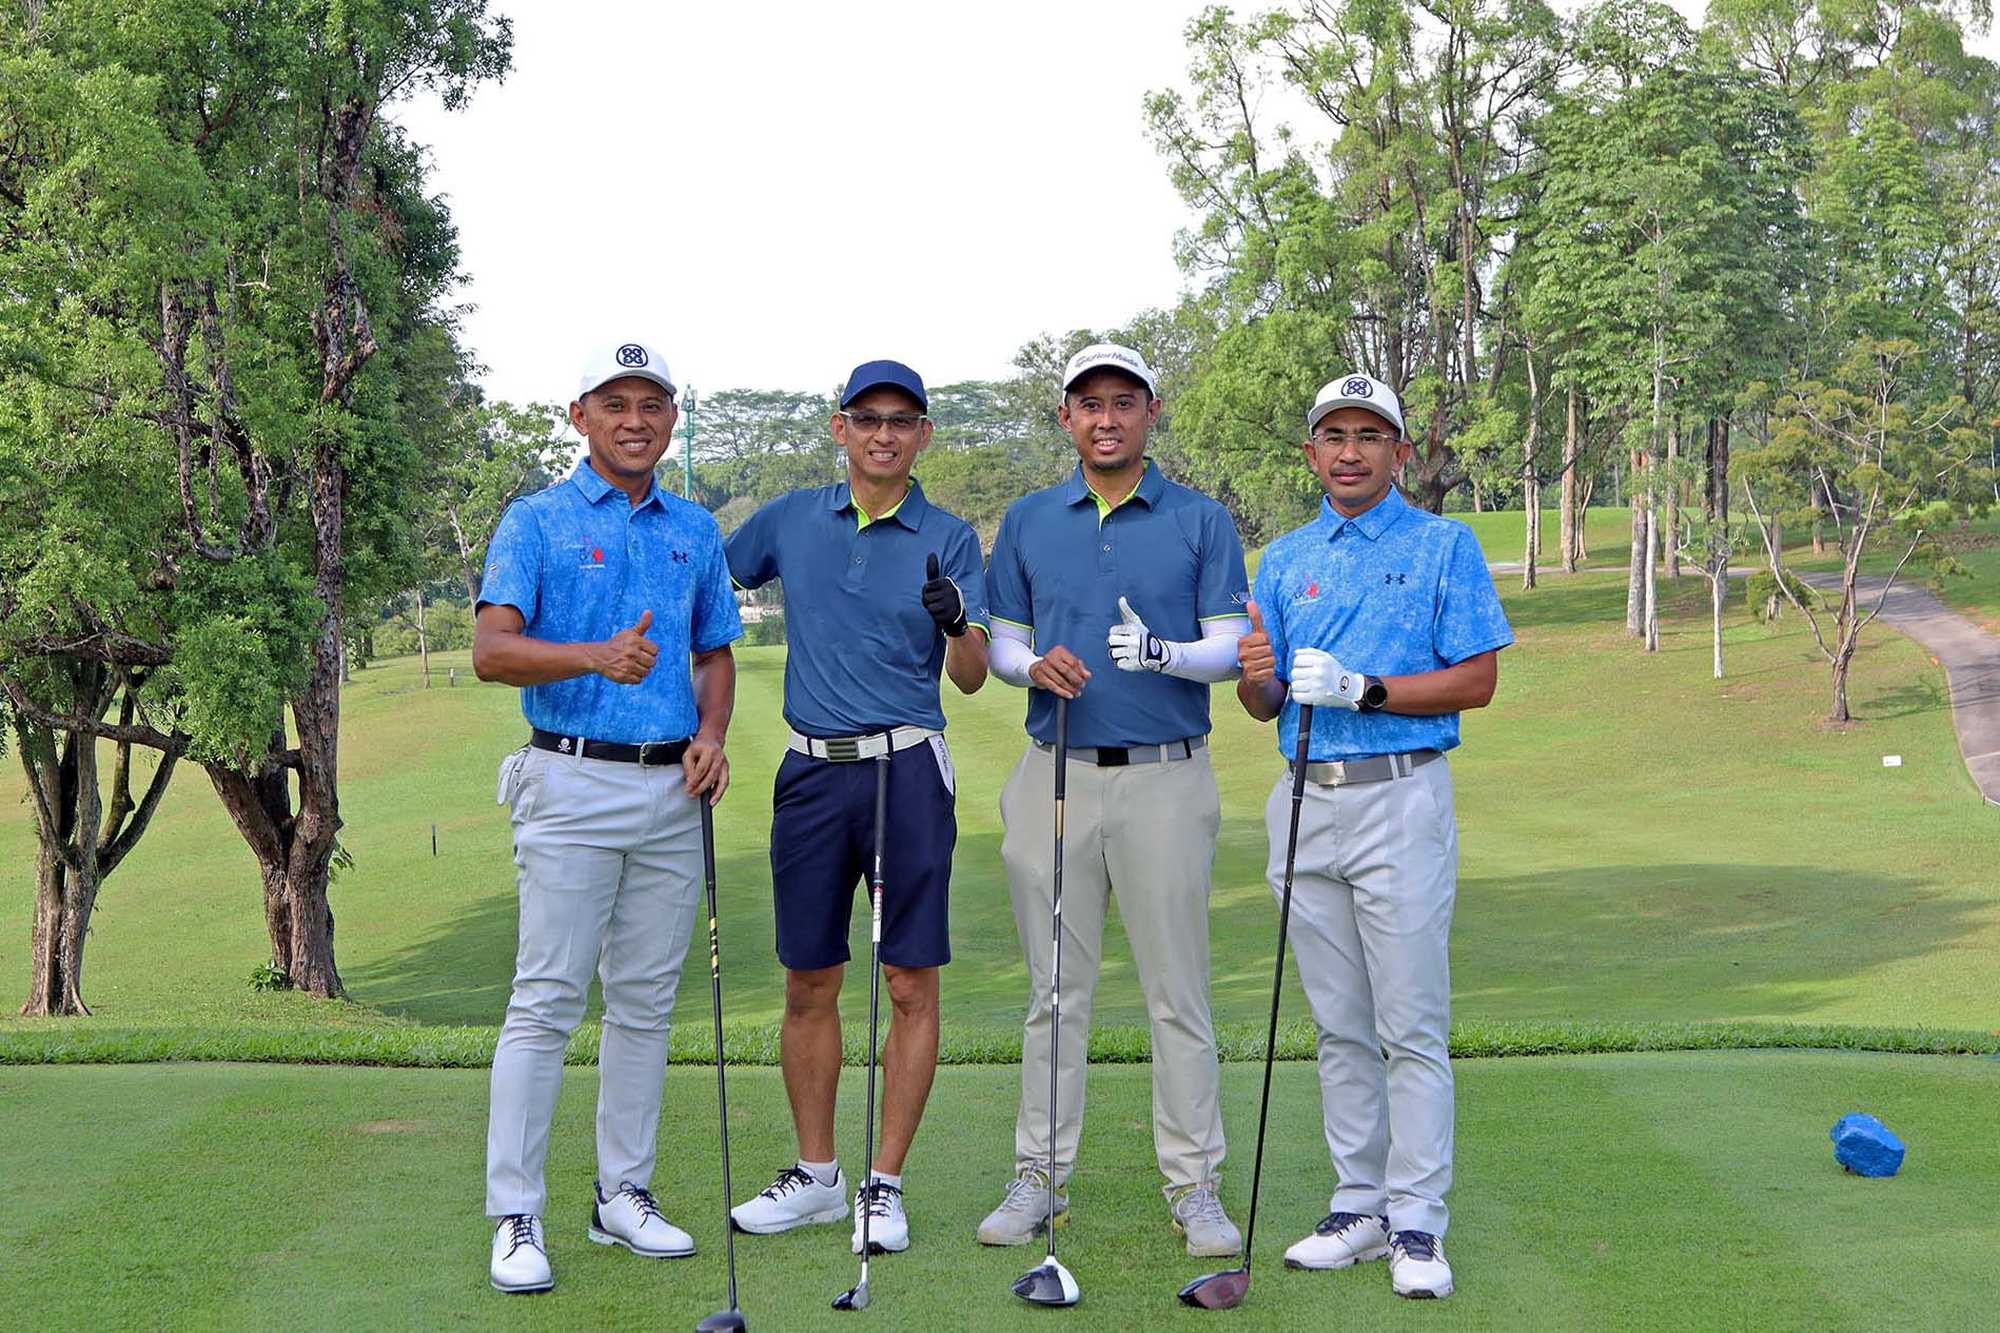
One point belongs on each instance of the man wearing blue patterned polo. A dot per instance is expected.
(1384, 619)
(608, 601)
(1122, 592)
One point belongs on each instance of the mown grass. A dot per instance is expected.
(1643, 848)
(1631, 1191)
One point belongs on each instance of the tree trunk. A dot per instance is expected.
(1637, 563)
(1477, 507)
(1672, 492)
(1718, 584)
(1531, 485)
(1571, 518)
(423, 641)
(1651, 624)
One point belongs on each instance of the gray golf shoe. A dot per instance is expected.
(1024, 1211)
(1198, 1215)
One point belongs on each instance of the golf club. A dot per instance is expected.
(732, 1318)
(856, 1296)
(1225, 1290)
(1051, 1283)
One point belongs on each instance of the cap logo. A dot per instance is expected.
(1354, 388)
(632, 356)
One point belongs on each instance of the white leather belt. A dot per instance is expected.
(848, 749)
(1375, 768)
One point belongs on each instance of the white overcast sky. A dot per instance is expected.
(773, 192)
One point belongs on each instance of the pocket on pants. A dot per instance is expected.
(943, 757)
(510, 772)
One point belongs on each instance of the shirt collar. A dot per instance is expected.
(910, 513)
(1151, 483)
(1376, 520)
(595, 488)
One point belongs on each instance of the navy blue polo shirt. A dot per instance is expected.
(580, 561)
(1393, 591)
(1061, 562)
(862, 653)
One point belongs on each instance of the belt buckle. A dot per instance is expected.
(843, 749)
(647, 746)
(1113, 756)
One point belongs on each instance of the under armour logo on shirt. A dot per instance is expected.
(1395, 578)
(631, 354)
(680, 557)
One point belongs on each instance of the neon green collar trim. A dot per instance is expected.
(862, 518)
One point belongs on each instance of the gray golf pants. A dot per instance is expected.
(1146, 832)
(610, 875)
(1372, 897)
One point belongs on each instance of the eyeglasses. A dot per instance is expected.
(1367, 439)
(899, 423)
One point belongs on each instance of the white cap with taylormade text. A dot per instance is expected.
(1099, 356)
(1357, 391)
(615, 361)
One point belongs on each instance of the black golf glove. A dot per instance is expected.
(943, 600)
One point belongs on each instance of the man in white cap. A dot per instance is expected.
(608, 601)
(1122, 592)
(1384, 619)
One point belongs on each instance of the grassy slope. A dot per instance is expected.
(1640, 845)
(1648, 1191)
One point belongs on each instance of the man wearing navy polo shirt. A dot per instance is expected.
(1383, 618)
(608, 601)
(1122, 592)
(881, 589)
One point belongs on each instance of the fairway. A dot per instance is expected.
(1633, 1191)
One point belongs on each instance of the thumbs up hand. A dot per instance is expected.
(627, 657)
(943, 599)
(1133, 646)
(1253, 650)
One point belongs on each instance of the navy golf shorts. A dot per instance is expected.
(823, 849)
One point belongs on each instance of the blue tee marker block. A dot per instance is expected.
(1866, 1146)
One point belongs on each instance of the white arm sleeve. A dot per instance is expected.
(1013, 653)
(1213, 657)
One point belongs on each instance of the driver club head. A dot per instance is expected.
(1218, 1291)
(854, 1298)
(1050, 1284)
(722, 1321)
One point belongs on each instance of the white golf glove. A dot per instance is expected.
(1319, 679)
(1136, 648)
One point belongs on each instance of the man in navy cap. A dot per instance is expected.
(607, 600)
(883, 590)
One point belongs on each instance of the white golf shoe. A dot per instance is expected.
(1198, 1215)
(888, 1225)
(794, 1199)
(1417, 1267)
(1340, 1241)
(632, 1218)
(1023, 1213)
(520, 1259)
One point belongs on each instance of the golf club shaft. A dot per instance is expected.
(1055, 968)
(715, 989)
(874, 988)
(1299, 760)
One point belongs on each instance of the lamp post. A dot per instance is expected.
(688, 456)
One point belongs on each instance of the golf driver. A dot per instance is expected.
(1225, 1290)
(732, 1318)
(1051, 1283)
(856, 1296)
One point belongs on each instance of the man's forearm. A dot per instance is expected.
(1260, 699)
(714, 692)
(1454, 689)
(516, 659)
(965, 659)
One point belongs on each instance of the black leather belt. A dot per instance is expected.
(650, 754)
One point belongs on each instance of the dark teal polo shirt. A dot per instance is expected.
(863, 655)
(1059, 566)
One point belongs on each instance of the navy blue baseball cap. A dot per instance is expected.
(876, 374)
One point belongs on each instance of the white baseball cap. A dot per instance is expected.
(1099, 355)
(1357, 391)
(615, 361)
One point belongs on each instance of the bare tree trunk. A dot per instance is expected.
(1672, 493)
(1718, 583)
(1531, 485)
(1477, 507)
(1651, 624)
(1571, 518)
(423, 641)
(1636, 563)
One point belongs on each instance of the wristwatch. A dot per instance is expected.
(1373, 694)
